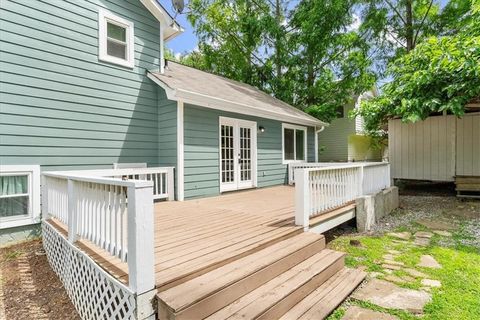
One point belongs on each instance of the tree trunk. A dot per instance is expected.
(409, 25)
(278, 18)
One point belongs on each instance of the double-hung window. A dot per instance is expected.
(294, 141)
(116, 39)
(19, 195)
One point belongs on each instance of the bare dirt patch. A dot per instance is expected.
(29, 289)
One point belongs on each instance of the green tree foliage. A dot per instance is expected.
(442, 74)
(315, 54)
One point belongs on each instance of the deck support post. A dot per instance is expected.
(302, 198)
(141, 263)
(44, 195)
(72, 217)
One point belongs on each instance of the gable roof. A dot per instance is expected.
(211, 91)
(171, 28)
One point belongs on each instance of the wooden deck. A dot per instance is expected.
(196, 236)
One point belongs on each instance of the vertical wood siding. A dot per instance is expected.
(202, 155)
(468, 145)
(424, 150)
(60, 106)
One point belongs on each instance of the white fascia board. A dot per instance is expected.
(229, 106)
(171, 27)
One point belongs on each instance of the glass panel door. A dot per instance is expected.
(227, 154)
(237, 154)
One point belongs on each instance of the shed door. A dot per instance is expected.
(237, 154)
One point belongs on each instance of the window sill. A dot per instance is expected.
(18, 222)
(293, 161)
(120, 62)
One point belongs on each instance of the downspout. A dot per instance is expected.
(316, 141)
(161, 61)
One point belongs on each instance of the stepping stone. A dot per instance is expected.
(387, 271)
(388, 256)
(394, 252)
(357, 313)
(390, 266)
(437, 224)
(427, 289)
(415, 273)
(422, 242)
(431, 283)
(428, 261)
(375, 274)
(423, 234)
(442, 233)
(395, 263)
(400, 235)
(393, 278)
(387, 295)
(408, 278)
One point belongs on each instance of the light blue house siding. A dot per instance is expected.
(60, 106)
(201, 143)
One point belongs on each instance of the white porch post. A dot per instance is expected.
(44, 194)
(302, 198)
(141, 261)
(72, 217)
(180, 152)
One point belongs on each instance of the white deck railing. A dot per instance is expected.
(162, 178)
(113, 214)
(320, 187)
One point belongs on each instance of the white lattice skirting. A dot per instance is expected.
(94, 293)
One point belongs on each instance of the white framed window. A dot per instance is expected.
(115, 39)
(19, 195)
(294, 143)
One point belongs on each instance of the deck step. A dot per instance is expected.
(279, 295)
(323, 301)
(210, 292)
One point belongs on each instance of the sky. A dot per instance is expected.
(185, 42)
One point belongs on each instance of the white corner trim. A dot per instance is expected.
(305, 140)
(33, 172)
(105, 16)
(161, 60)
(180, 152)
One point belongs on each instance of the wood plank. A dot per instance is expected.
(211, 292)
(331, 214)
(335, 296)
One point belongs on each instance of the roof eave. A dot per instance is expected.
(230, 106)
(171, 27)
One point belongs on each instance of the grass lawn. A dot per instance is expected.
(458, 297)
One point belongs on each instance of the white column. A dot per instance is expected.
(302, 198)
(44, 198)
(72, 217)
(141, 259)
(180, 152)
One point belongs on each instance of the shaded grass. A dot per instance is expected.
(459, 295)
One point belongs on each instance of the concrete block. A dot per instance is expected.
(370, 208)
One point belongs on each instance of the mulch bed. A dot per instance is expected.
(29, 289)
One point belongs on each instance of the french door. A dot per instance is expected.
(238, 154)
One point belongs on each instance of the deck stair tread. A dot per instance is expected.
(323, 301)
(244, 274)
(317, 219)
(187, 269)
(277, 296)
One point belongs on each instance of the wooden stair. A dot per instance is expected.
(292, 275)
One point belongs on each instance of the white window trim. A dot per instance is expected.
(294, 127)
(33, 217)
(103, 18)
